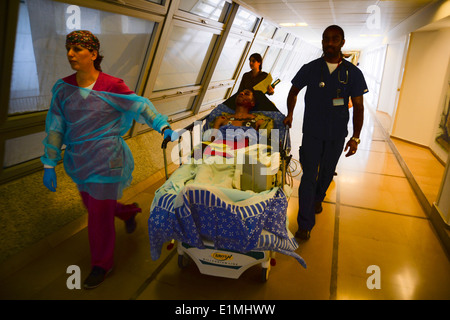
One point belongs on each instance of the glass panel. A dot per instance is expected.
(245, 20)
(214, 95)
(174, 106)
(280, 35)
(40, 55)
(185, 59)
(266, 30)
(270, 58)
(258, 48)
(279, 68)
(229, 59)
(21, 149)
(291, 40)
(211, 9)
(156, 1)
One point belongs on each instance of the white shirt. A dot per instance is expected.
(332, 66)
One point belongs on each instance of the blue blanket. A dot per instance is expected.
(258, 222)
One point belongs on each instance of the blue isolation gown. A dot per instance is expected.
(91, 125)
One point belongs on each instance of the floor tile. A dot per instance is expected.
(379, 192)
(403, 247)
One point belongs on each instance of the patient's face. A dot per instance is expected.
(246, 99)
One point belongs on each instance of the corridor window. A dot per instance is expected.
(185, 58)
(211, 9)
(40, 55)
(173, 106)
(266, 30)
(270, 58)
(281, 63)
(245, 20)
(22, 149)
(229, 58)
(280, 35)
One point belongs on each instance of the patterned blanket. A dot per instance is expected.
(198, 211)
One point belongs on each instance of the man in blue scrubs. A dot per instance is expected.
(330, 82)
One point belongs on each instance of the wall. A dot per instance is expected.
(434, 16)
(443, 202)
(392, 76)
(424, 87)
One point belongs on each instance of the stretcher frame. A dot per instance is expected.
(225, 263)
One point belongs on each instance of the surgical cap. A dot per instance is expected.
(84, 39)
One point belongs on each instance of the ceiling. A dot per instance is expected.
(359, 19)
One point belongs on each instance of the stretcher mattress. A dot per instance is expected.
(232, 219)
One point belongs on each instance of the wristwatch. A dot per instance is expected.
(357, 140)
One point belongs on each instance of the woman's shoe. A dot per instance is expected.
(96, 277)
(130, 224)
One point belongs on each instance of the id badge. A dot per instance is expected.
(337, 102)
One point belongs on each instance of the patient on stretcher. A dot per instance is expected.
(245, 101)
(233, 131)
(236, 142)
(220, 193)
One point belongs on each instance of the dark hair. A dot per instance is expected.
(258, 58)
(98, 61)
(335, 27)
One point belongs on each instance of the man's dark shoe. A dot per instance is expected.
(95, 278)
(318, 207)
(303, 234)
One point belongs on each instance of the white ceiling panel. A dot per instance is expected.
(352, 15)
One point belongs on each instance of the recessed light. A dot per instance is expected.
(294, 24)
(370, 35)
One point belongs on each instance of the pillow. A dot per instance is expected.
(262, 102)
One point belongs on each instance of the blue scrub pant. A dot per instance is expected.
(318, 159)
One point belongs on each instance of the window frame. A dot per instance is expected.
(19, 125)
(165, 17)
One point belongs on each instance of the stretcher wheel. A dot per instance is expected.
(182, 261)
(265, 274)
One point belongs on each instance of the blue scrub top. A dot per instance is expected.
(321, 118)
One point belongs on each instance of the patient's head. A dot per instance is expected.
(246, 99)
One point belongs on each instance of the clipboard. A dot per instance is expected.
(262, 86)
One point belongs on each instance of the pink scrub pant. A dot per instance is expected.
(101, 229)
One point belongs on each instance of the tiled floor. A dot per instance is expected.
(426, 168)
(371, 217)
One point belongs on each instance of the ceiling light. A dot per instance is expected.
(292, 24)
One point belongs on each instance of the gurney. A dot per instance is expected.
(223, 213)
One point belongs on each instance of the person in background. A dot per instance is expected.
(90, 111)
(245, 101)
(255, 75)
(330, 82)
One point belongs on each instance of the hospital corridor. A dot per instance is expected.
(383, 233)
